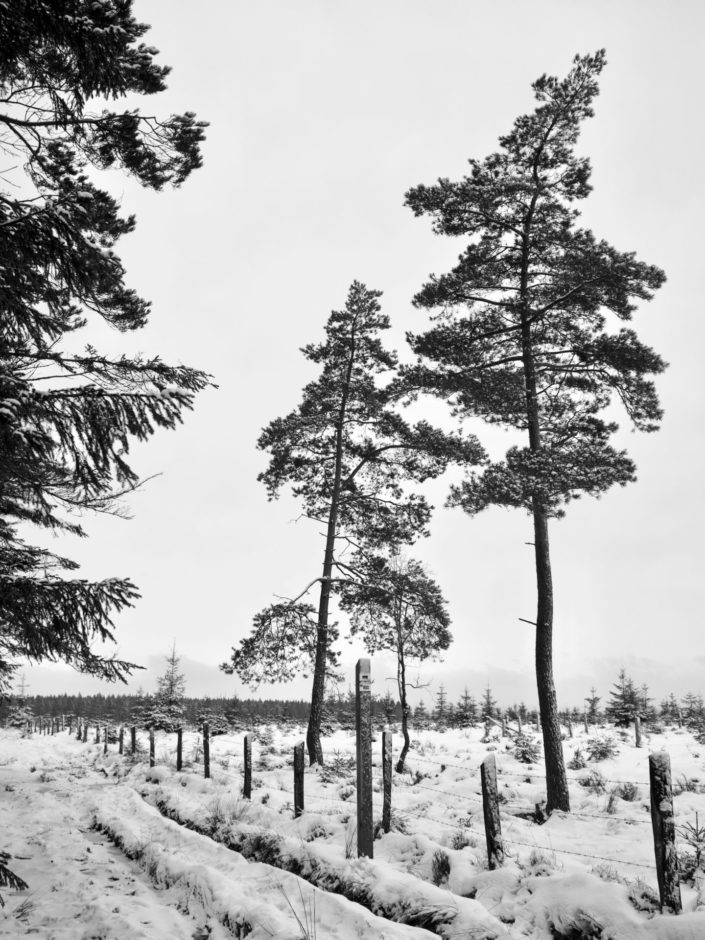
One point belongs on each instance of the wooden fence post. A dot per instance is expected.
(78, 730)
(97, 734)
(387, 780)
(504, 725)
(298, 779)
(206, 750)
(363, 729)
(85, 734)
(585, 723)
(570, 728)
(490, 808)
(105, 740)
(133, 740)
(663, 823)
(179, 748)
(247, 767)
(637, 730)
(121, 741)
(151, 748)
(519, 723)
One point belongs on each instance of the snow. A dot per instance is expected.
(141, 874)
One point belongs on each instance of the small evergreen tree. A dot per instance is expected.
(396, 606)
(166, 710)
(624, 701)
(440, 711)
(421, 717)
(488, 705)
(466, 710)
(670, 709)
(592, 702)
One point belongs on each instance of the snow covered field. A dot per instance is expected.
(111, 848)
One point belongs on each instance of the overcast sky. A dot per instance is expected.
(322, 115)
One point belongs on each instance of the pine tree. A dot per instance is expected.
(166, 710)
(488, 706)
(440, 711)
(592, 702)
(420, 720)
(522, 339)
(67, 416)
(624, 701)
(346, 452)
(396, 606)
(670, 709)
(466, 709)
(20, 712)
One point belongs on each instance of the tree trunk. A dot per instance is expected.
(313, 732)
(557, 796)
(401, 682)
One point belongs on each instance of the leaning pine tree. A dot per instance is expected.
(346, 453)
(67, 412)
(522, 338)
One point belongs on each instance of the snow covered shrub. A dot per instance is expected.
(601, 748)
(577, 761)
(691, 863)
(629, 792)
(461, 839)
(541, 864)
(527, 749)
(643, 897)
(440, 867)
(339, 765)
(8, 879)
(594, 781)
(611, 806)
(686, 785)
(346, 791)
(264, 847)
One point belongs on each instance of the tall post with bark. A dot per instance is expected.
(523, 342)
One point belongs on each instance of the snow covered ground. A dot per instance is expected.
(90, 835)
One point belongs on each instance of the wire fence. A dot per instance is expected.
(229, 768)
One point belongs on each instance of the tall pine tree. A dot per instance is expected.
(346, 453)
(68, 414)
(522, 339)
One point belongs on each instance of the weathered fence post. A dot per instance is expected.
(519, 723)
(206, 750)
(663, 823)
(78, 730)
(504, 725)
(105, 740)
(121, 741)
(585, 723)
(247, 767)
(363, 729)
(387, 780)
(133, 740)
(680, 718)
(490, 808)
(570, 728)
(298, 779)
(151, 748)
(97, 734)
(85, 734)
(179, 748)
(637, 730)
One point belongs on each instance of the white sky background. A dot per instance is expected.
(322, 115)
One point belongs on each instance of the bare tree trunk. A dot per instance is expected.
(313, 732)
(557, 795)
(401, 682)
